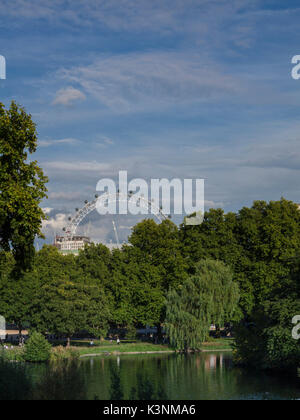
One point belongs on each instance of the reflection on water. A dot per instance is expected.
(175, 377)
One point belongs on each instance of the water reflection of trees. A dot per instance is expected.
(174, 376)
(163, 377)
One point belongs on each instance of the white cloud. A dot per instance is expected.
(69, 141)
(65, 195)
(119, 15)
(47, 210)
(79, 166)
(103, 142)
(67, 96)
(143, 80)
(54, 224)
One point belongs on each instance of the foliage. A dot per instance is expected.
(37, 349)
(22, 185)
(136, 287)
(67, 300)
(60, 353)
(160, 245)
(131, 332)
(13, 354)
(17, 290)
(266, 342)
(258, 243)
(209, 296)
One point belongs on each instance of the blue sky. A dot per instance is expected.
(169, 88)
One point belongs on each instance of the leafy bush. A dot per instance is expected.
(13, 354)
(61, 353)
(37, 349)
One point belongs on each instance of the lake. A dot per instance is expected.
(204, 376)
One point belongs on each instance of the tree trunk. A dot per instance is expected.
(69, 342)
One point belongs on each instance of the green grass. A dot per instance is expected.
(124, 347)
(129, 346)
(218, 344)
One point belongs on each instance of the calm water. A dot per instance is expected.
(204, 376)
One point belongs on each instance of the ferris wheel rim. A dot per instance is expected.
(90, 206)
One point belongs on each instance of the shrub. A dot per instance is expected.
(37, 349)
(61, 353)
(13, 354)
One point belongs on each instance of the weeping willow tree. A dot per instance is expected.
(209, 296)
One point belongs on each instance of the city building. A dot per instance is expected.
(71, 245)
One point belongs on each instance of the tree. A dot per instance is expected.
(67, 300)
(66, 306)
(16, 292)
(209, 296)
(22, 185)
(95, 260)
(136, 288)
(160, 246)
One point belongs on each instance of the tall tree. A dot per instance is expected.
(67, 299)
(160, 245)
(209, 296)
(22, 184)
(136, 287)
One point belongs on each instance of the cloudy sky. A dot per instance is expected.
(161, 88)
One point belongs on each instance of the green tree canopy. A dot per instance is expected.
(209, 296)
(160, 245)
(136, 287)
(265, 339)
(67, 300)
(258, 243)
(22, 184)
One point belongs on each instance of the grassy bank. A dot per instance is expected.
(83, 347)
(218, 344)
(123, 347)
